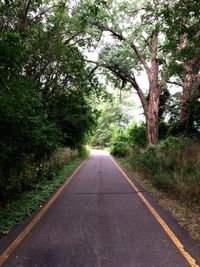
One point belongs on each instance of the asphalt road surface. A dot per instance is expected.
(100, 220)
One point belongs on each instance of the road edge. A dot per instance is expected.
(167, 229)
(13, 245)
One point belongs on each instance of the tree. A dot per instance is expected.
(114, 116)
(38, 45)
(133, 30)
(182, 28)
(45, 86)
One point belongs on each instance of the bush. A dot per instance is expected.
(26, 134)
(172, 165)
(119, 144)
(137, 135)
(119, 149)
(32, 172)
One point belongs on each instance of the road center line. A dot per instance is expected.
(167, 229)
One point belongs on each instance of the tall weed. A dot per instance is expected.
(31, 173)
(173, 165)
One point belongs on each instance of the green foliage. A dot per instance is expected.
(137, 135)
(181, 20)
(119, 148)
(172, 165)
(25, 129)
(11, 55)
(114, 117)
(172, 112)
(119, 145)
(45, 91)
(16, 210)
(134, 136)
(31, 172)
(25, 133)
(75, 117)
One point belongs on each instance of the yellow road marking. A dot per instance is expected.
(29, 227)
(169, 232)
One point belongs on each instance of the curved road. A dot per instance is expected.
(99, 220)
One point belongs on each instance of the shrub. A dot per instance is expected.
(172, 165)
(32, 172)
(119, 149)
(137, 135)
(24, 129)
(119, 145)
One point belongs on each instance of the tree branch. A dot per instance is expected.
(141, 58)
(42, 13)
(93, 70)
(124, 76)
(106, 28)
(179, 84)
(120, 37)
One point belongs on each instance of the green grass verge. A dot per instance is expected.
(124, 162)
(18, 209)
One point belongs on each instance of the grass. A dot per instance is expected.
(18, 209)
(173, 166)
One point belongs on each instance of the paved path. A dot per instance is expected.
(99, 220)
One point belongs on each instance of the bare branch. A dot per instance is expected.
(179, 84)
(26, 9)
(106, 28)
(71, 38)
(93, 70)
(141, 58)
(146, 40)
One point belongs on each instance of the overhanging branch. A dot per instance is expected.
(120, 37)
(125, 77)
(176, 83)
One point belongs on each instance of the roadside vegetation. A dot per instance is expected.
(172, 164)
(52, 101)
(46, 110)
(24, 204)
(160, 42)
(169, 169)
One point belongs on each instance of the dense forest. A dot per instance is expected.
(53, 99)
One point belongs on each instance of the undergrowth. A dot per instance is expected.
(173, 166)
(24, 204)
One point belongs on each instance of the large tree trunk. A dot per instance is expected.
(150, 106)
(189, 85)
(152, 127)
(154, 96)
(151, 115)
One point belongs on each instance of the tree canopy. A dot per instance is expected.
(50, 87)
(144, 37)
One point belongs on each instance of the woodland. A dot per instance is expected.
(54, 95)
